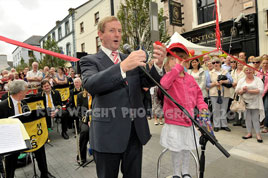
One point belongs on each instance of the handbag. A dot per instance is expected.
(238, 105)
(224, 77)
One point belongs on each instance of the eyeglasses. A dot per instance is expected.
(256, 62)
(217, 62)
(233, 62)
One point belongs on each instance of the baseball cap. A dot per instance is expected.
(178, 46)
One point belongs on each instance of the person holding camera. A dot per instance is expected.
(219, 82)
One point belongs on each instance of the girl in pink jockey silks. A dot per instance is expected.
(177, 134)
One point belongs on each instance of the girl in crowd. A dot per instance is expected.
(251, 89)
(219, 95)
(261, 75)
(177, 134)
(157, 107)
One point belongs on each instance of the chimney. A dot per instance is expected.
(58, 22)
(71, 11)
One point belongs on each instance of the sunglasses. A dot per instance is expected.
(217, 62)
(256, 62)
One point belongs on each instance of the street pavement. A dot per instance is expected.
(249, 159)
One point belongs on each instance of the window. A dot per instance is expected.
(67, 28)
(97, 17)
(98, 43)
(68, 49)
(59, 33)
(205, 11)
(49, 38)
(83, 47)
(30, 53)
(81, 27)
(54, 36)
(267, 19)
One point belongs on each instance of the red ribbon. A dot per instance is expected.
(218, 33)
(41, 50)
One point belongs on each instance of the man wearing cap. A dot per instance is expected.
(119, 126)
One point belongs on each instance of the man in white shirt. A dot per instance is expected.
(34, 76)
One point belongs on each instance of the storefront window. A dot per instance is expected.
(205, 11)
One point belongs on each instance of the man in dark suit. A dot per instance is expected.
(14, 105)
(119, 126)
(53, 103)
(72, 105)
(84, 100)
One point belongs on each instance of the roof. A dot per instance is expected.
(33, 40)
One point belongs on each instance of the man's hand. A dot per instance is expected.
(53, 113)
(159, 54)
(135, 59)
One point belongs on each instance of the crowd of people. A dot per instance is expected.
(114, 89)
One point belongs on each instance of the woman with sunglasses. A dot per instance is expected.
(251, 89)
(219, 95)
(261, 75)
(256, 63)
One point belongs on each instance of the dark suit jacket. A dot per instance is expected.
(82, 104)
(56, 98)
(71, 97)
(113, 98)
(7, 108)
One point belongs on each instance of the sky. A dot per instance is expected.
(20, 19)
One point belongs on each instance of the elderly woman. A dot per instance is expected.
(219, 94)
(237, 74)
(261, 75)
(251, 89)
(198, 73)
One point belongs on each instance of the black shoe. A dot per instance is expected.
(176, 177)
(244, 137)
(216, 129)
(186, 175)
(65, 135)
(259, 140)
(226, 129)
(244, 126)
(237, 124)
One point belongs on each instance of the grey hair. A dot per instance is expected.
(78, 79)
(17, 86)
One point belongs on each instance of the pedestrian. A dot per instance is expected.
(119, 126)
(251, 89)
(177, 134)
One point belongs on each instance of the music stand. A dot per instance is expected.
(35, 117)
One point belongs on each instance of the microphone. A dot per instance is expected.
(128, 49)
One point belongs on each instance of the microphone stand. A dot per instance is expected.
(205, 134)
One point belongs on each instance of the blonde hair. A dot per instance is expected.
(246, 67)
(102, 23)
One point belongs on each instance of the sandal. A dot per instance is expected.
(264, 130)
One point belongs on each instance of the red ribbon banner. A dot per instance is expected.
(41, 50)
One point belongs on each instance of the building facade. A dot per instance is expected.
(24, 54)
(263, 26)
(63, 34)
(86, 22)
(237, 19)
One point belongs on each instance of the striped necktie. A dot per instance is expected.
(115, 57)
